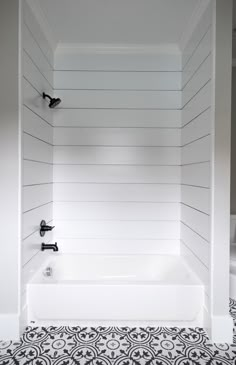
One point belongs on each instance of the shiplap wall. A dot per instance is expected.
(37, 140)
(196, 147)
(117, 137)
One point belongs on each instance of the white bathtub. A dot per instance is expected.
(102, 289)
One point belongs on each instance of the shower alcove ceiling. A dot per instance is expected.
(130, 162)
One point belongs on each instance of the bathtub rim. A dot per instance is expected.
(38, 278)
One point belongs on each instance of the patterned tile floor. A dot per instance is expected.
(117, 346)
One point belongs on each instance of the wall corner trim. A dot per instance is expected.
(192, 23)
(43, 22)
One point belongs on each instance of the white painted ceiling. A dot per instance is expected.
(118, 21)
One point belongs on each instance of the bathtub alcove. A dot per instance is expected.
(132, 167)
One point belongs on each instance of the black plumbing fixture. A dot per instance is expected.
(44, 228)
(53, 101)
(45, 246)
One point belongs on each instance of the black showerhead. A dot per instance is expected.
(53, 101)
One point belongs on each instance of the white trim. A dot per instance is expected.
(206, 320)
(20, 153)
(218, 328)
(23, 319)
(221, 329)
(221, 323)
(43, 22)
(9, 327)
(192, 23)
(100, 48)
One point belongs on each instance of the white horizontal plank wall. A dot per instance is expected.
(37, 141)
(196, 147)
(117, 146)
(205, 161)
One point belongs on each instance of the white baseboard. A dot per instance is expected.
(9, 327)
(221, 330)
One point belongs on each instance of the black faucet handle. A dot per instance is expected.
(45, 228)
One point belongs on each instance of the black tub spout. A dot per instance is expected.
(46, 246)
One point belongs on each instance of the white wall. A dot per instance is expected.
(37, 142)
(196, 147)
(233, 138)
(117, 152)
(10, 169)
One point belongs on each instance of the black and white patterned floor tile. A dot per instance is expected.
(117, 346)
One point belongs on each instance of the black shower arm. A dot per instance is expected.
(46, 96)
